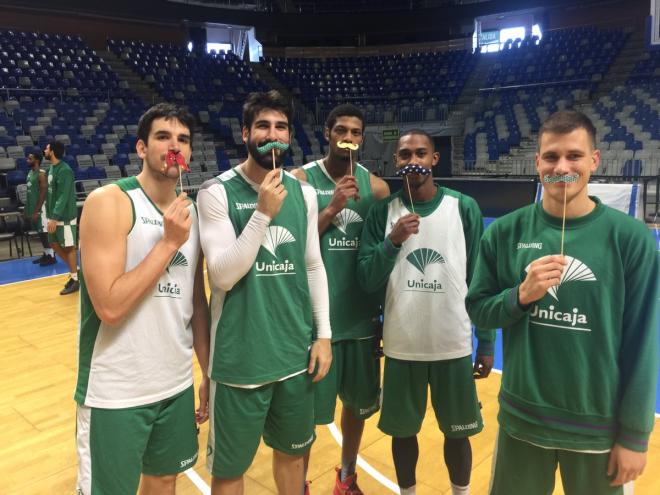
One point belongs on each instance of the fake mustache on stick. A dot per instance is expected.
(561, 178)
(413, 168)
(273, 145)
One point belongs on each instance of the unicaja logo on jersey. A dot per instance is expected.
(574, 271)
(421, 258)
(178, 260)
(171, 290)
(275, 237)
(555, 317)
(342, 220)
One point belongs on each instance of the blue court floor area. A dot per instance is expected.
(23, 270)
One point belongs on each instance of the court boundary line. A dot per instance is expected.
(198, 481)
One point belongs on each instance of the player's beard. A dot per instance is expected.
(264, 161)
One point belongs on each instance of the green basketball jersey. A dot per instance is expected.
(262, 329)
(33, 191)
(61, 198)
(353, 312)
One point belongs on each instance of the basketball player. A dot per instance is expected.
(269, 289)
(345, 192)
(420, 245)
(35, 206)
(580, 330)
(142, 310)
(62, 213)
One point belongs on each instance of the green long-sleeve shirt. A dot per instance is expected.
(581, 364)
(424, 281)
(61, 198)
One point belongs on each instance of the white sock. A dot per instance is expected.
(49, 252)
(460, 490)
(74, 276)
(408, 491)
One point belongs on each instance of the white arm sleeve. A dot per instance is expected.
(316, 276)
(228, 258)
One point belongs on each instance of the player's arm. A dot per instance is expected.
(488, 304)
(638, 358)
(201, 338)
(473, 229)
(43, 189)
(321, 351)
(379, 187)
(229, 258)
(378, 253)
(106, 221)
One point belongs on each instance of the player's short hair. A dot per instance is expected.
(57, 148)
(344, 110)
(271, 100)
(38, 156)
(165, 111)
(565, 122)
(415, 132)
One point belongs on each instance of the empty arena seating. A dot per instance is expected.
(62, 64)
(532, 79)
(402, 88)
(57, 87)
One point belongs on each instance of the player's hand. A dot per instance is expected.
(271, 194)
(52, 226)
(406, 226)
(202, 412)
(482, 366)
(177, 222)
(320, 359)
(543, 273)
(346, 189)
(34, 216)
(626, 464)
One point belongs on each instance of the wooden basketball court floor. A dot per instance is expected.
(37, 416)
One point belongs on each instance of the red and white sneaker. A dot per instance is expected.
(307, 483)
(348, 487)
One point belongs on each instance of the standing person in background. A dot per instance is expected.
(62, 213)
(35, 207)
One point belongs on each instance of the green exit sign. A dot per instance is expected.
(390, 134)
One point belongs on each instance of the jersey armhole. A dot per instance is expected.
(132, 208)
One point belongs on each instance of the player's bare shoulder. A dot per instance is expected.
(108, 204)
(299, 173)
(379, 187)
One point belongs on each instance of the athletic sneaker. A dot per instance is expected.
(348, 487)
(70, 287)
(307, 487)
(39, 260)
(47, 260)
